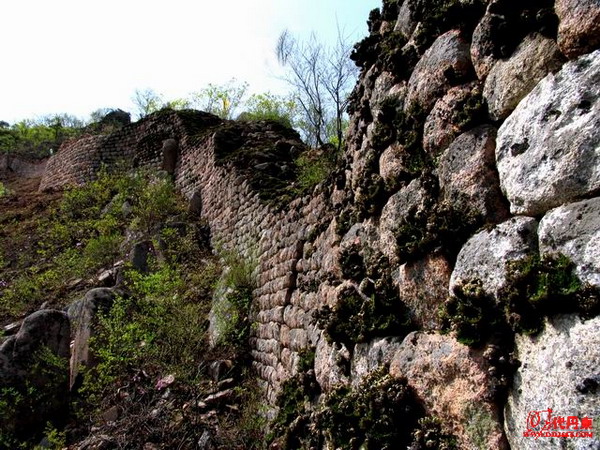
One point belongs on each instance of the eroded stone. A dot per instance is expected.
(573, 230)
(554, 368)
(512, 79)
(485, 257)
(454, 383)
(548, 150)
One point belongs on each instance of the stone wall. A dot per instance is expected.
(470, 149)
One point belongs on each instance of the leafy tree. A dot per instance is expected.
(269, 106)
(39, 137)
(147, 101)
(322, 79)
(223, 100)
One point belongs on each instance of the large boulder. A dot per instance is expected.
(369, 356)
(405, 23)
(579, 28)
(468, 177)
(447, 62)
(82, 315)
(450, 116)
(559, 371)
(330, 360)
(486, 256)
(484, 52)
(512, 79)
(45, 329)
(423, 287)
(33, 365)
(454, 383)
(548, 150)
(407, 203)
(573, 230)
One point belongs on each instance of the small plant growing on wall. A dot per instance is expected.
(232, 301)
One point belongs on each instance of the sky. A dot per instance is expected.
(75, 56)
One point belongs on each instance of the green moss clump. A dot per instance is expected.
(345, 220)
(429, 435)
(472, 111)
(298, 393)
(536, 288)
(358, 318)
(381, 413)
(436, 225)
(542, 287)
(351, 262)
(473, 315)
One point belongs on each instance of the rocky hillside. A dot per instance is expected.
(440, 289)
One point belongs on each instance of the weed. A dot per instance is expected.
(314, 170)
(233, 300)
(4, 191)
(31, 396)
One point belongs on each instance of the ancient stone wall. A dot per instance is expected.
(473, 147)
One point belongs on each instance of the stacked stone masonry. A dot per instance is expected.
(508, 168)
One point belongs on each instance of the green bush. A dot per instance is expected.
(232, 307)
(3, 190)
(314, 169)
(29, 396)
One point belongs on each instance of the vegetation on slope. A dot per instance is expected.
(154, 372)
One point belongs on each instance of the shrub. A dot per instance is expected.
(233, 301)
(3, 190)
(314, 168)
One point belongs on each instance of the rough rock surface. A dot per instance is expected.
(422, 286)
(406, 203)
(444, 122)
(45, 328)
(391, 164)
(559, 370)
(579, 28)
(445, 63)
(170, 149)
(454, 383)
(486, 255)
(482, 45)
(82, 314)
(385, 87)
(405, 23)
(548, 150)
(369, 356)
(25, 369)
(512, 79)
(573, 230)
(468, 177)
(329, 359)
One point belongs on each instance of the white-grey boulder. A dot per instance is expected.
(548, 150)
(573, 230)
(486, 256)
(559, 369)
